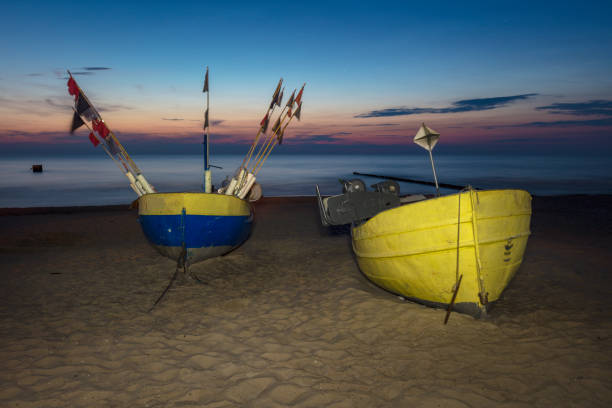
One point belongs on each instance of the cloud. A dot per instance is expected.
(54, 104)
(595, 107)
(113, 108)
(325, 138)
(558, 123)
(378, 124)
(464, 105)
(212, 123)
(591, 122)
(87, 71)
(20, 136)
(34, 74)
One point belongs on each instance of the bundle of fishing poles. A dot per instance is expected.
(100, 133)
(243, 182)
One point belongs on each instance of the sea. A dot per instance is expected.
(96, 180)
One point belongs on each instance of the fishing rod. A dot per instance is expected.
(206, 145)
(277, 127)
(133, 170)
(137, 187)
(264, 147)
(266, 143)
(277, 139)
(427, 183)
(263, 126)
(242, 174)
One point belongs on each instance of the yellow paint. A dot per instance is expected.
(412, 250)
(194, 204)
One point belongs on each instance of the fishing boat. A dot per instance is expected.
(457, 251)
(191, 226)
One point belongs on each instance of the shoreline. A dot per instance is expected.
(294, 198)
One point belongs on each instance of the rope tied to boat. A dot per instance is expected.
(482, 295)
(455, 288)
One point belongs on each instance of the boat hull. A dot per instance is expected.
(414, 250)
(207, 225)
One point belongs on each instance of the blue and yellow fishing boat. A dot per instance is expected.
(193, 226)
(206, 225)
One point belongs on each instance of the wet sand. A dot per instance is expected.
(287, 319)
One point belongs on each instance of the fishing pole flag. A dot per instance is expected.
(77, 122)
(205, 89)
(84, 109)
(264, 123)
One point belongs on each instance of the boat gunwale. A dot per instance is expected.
(198, 193)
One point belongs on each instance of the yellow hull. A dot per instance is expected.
(413, 250)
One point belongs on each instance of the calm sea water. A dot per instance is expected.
(95, 180)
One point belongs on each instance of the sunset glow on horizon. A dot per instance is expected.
(505, 75)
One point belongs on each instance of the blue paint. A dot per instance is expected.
(199, 230)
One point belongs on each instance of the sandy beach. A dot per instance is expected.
(287, 319)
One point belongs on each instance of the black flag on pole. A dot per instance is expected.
(298, 111)
(276, 126)
(205, 89)
(77, 122)
(206, 119)
(83, 108)
(264, 123)
(279, 137)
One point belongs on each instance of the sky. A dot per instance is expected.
(489, 76)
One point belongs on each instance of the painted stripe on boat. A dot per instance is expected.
(199, 230)
(194, 203)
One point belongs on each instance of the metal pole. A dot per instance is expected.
(434, 172)
(207, 175)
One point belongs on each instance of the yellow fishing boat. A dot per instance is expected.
(457, 251)
(421, 250)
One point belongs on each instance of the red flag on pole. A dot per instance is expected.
(73, 88)
(298, 98)
(94, 139)
(100, 127)
(264, 123)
